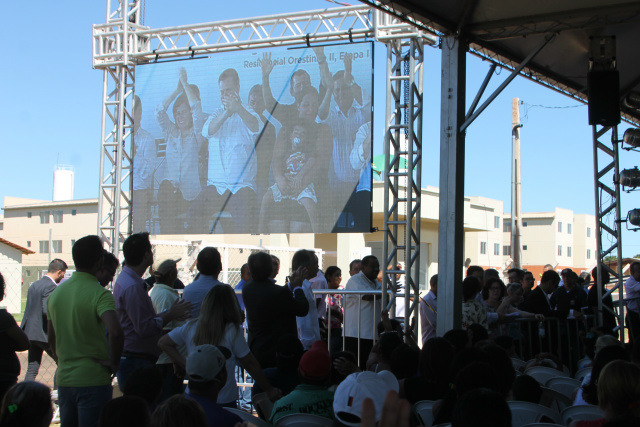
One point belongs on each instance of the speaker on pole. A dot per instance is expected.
(604, 97)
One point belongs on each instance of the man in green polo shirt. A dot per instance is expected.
(79, 312)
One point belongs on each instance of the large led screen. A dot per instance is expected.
(261, 141)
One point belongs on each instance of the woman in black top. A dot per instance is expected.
(12, 339)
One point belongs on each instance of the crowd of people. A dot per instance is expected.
(154, 339)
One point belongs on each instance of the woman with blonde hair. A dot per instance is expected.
(618, 393)
(219, 324)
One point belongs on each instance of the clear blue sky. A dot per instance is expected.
(52, 110)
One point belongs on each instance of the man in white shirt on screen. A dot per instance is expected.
(345, 120)
(145, 159)
(231, 130)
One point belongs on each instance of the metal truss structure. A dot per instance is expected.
(122, 43)
(608, 224)
(405, 60)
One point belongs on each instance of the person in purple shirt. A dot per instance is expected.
(141, 325)
(207, 375)
(209, 265)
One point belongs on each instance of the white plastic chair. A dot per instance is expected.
(582, 373)
(523, 413)
(542, 374)
(424, 411)
(554, 399)
(303, 420)
(518, 364)
(245, 416)
(581, 413)
(263, 405)
(566, 386)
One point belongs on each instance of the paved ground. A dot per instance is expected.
(47, 368)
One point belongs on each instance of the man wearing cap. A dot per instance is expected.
(207, 375)
(311, 395)
(347, 401)
(370, 310)
(209, 265)
(141, 325)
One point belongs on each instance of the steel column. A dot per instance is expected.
(452, 158)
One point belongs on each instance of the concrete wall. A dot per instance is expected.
(11, 269)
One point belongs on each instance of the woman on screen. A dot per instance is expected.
(185, 160)
(290, 205)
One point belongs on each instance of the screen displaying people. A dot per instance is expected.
(262, 141)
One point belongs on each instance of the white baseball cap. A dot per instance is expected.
(206, 361)
(348, 398)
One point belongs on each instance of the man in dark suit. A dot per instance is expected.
(34, 322)
(271, 309)
(539, 302)
(538, 299)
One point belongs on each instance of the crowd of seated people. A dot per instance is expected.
(468, 374)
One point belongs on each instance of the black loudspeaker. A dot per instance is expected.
(604, 97)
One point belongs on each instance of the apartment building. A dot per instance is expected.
(560, 238)
(47, 228)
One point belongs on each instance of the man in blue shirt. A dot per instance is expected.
(209, 264)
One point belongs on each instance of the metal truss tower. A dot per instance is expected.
(608, 224)
(122, 43)
(402, 182)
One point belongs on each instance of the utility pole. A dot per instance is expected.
(516, 208)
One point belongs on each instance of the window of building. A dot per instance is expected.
(44, 247)
(496, 248)
(524, 247)
(588, 253)
(73, 242)
(506, 250)
(506, 226)
(57, 217)
(559, 227)
(28, 214)
(496, 222)
(569, 228)
(27, 273)
(568, 250)
(44, 217)
(1, 226)
(588, 231)
(483, 248)
(559, 250)
(524, 223)
(28, 243)
(57, 246)
(73, 212)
